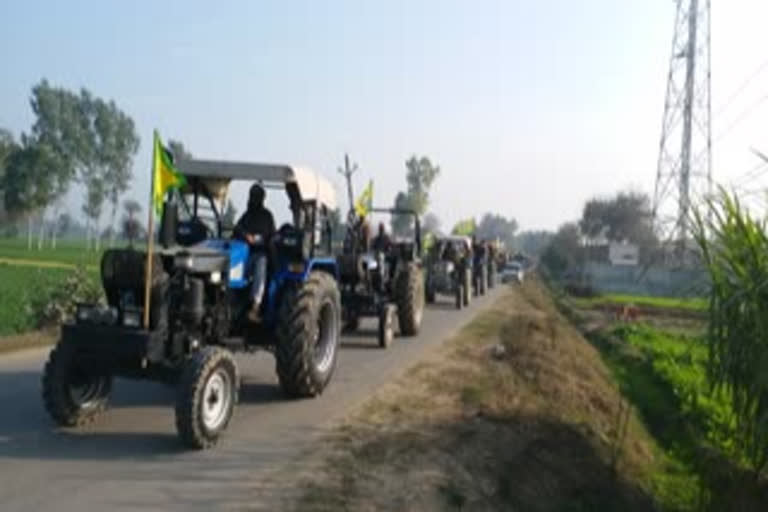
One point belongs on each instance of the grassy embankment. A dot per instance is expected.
(542, 426)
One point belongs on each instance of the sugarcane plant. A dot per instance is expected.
(734, 248)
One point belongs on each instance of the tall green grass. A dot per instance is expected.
(734, 246)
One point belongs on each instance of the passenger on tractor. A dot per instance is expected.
(382, 242)
(256, 227)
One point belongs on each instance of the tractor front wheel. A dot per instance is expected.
(309, 320)
(206, 396)
(409, 295)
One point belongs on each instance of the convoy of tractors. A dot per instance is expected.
(218, 289)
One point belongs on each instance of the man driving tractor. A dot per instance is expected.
(256, 227)
(382, 241)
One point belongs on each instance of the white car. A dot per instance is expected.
(512, 272)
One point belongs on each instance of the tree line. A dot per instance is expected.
(625, 217)
(77, 138)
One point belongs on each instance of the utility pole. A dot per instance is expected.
(684, 167)
(347, 172)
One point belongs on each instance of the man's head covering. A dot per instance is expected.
(256, 196)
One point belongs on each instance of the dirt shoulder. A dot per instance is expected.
(28, 340)
(516, 412)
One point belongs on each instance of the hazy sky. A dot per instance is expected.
(529, 107)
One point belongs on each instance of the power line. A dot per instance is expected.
(762, 67)
(741, 117)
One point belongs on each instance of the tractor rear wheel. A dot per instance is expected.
(491, 275)
(409, 296)
(206, 395)
(386, 325)
(71, 396)
(309, 321)
(467, 287)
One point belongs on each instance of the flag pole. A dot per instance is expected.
(150, 236)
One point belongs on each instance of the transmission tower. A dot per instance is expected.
(684, 169)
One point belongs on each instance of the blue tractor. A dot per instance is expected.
(200, 305)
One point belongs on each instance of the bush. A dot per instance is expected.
(59, 303)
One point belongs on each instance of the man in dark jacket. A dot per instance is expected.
(256, 227)
(382, 242)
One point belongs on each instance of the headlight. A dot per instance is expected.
(183, 261)
(449, 267)
(96, 314)
(131, 318)
(215, 277)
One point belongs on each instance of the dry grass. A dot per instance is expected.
(27, 340)
(536, 429)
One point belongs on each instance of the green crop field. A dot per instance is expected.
(690, 304)
(21, 287)
(68, 252)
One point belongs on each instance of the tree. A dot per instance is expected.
(31, 182)
(420, 174)
(625, 217)
(402, 225)
(494, 226)
(565, 251)
(131, 227)
(431, 223)
(64, 224)
(464, 227)
(116, 142)
(7, 146)
(94, 202)
(533, 243)
(132, 208)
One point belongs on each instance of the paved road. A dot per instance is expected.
(130, 459)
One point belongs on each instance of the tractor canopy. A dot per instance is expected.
(301, 184)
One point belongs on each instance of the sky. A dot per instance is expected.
(529, 108)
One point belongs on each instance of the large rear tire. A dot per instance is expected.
(206, 395)
(491, 275)
(409, 296)
(308, 331)
(467, 287)
(70, 396)
(386, 325)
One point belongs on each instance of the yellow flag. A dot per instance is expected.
(364, 203)
(164, 175)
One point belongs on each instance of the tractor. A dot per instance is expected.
(449, 269)
(199, 303)
(385, 282)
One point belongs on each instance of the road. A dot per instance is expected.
(131, 459)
